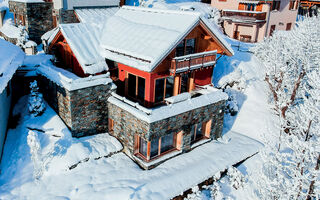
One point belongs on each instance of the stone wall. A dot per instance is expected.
(68, 16)
(38, 17)
(127, 125)
(84, 111)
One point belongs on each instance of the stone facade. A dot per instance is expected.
(84, 111)
(37, 17)
(126, 126)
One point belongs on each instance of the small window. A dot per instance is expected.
(288, 28)
(197, 133)
(132, 85)
(169, 86)
(292, 5)
(190, 46)
(154, 150)
(110, 125)
(136, 87)
(184, 83)
(163, 88)
(180, 49)
(275, 5)
(186, 47)
(159, 90)
(251, 7)
(167, 143)
(272, 29)
(143, 147)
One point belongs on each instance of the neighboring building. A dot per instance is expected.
(11, 58)
(35, 15)
(311, 7)
(164, 103)
(64, 10)
(40, 16)
(251, 21)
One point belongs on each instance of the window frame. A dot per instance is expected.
(205, 131)
(185, 46)
(159, 154)
(164, 89)
(136, 92)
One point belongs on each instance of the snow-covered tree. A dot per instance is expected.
(36, 104)
(34, 145)
(292, 60)
(23, 36)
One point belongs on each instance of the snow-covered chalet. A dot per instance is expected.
(161, 63)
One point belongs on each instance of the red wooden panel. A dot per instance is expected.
(203, 77)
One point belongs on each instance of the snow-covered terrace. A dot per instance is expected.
(175, 105)
(244, 15)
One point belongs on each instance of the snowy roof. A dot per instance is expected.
(84, 43)
(29, 1)
(11, 58)
(72, 4)
(50, 35)
(95, 16)
(143, 37)
(10, 30)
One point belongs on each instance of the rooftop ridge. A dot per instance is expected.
(181, 12)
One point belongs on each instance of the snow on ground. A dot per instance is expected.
(250, 90)
(114, 177)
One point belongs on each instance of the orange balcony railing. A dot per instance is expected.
(192, 61)
(244, 15)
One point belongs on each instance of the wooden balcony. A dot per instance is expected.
(192, 61)
(244, 16)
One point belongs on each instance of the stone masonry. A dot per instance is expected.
(84, 111)
(127, 125)
(38, 17)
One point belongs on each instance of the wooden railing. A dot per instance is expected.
(244, 15)
(192, 61)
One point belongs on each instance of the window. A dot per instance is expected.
(288, 28)
(186, 47)
(292, 5)
(164, 88)
(110, 125)
(272, 28)
(275, 5)
(167, 143)
(159, 90)
(136, 87)
(200, 131)
(197, 133)
(184, 82)
(158, 146)
(143, 147)
(180, 49)
(251, 6)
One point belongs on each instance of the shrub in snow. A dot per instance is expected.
(215, 191)
(232, 106)
(36, 104)
(195, 195)
(34, 145)
(236, 178)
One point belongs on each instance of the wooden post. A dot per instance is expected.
(176, 85)
(148, 150)
(191, 82)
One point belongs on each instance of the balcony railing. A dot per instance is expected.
(244, 15)
(193, 61)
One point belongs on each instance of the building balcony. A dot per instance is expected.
(192, 61)
(244, 16)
